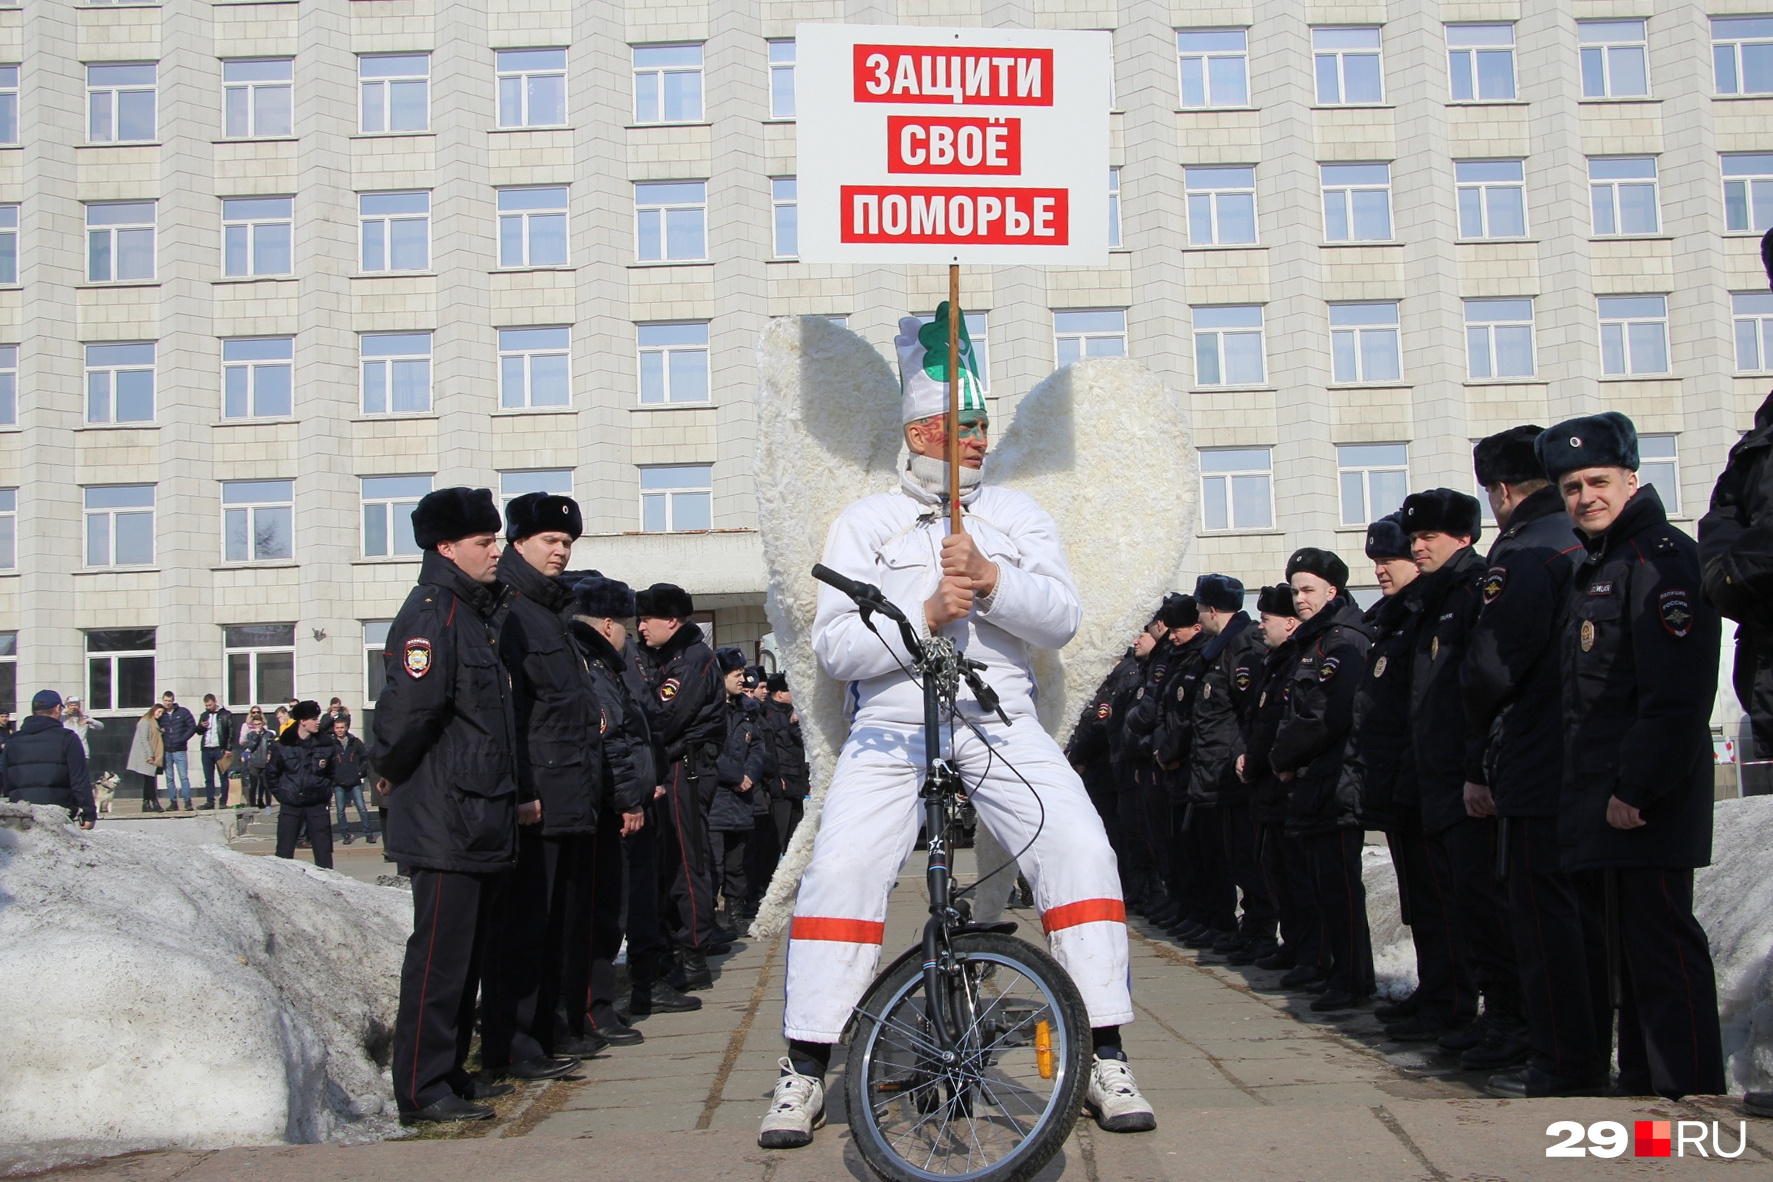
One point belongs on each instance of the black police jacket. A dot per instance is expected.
(1510, 680)
(44, 763)
(1172, 740)
(350, 759)
(559, 745)
(1139, 719)
(744, 755)
(1086, 750)
(1268, 796)
(1736, 533)
(1123, 683)
(446, 736)
(1379, 733)
(1231, 680)
(1447, 755)
(1640, 664)
(1312, 738)
(792, 780)
(300, 771)
(627, 757)
(685, 698)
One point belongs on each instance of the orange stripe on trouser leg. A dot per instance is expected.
(844, 931)
(1084, 911)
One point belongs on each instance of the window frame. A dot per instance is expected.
(251, 368)
(386, 502)
(1647, 458)
(1624, 323)
(251, 225)
(1341, 54)
(9, 672)
(9, 244)
(779, 204)
(666, 350)
(1359, 334)
(668, 495)
(111, 233)
(1473, 52)
(9, 385)
(779, 66)
(1229, 498)
(1205, 57)
(1615, 208)
(364, 360)
(9, 104)
(1200, 318)
(1211, 196)
(1348, 189)
(385, 83)
(526, 356)
(251, 90)
(1082, 336)
(254, 668)
(387, 220)
(1605, 49)
(1366, 512)
(109, 658)
(110, 513)
(1760, 324)
(659, 73)
(113, 104)
(1735, 47)
(518, 482)
(526, 79)
(249, 510)
(8, 529)
(1492, 350)
(1753, 185)
(1484, 189)
(113, 368)
(1114, 232)
(525, 217)
(663, 209)
(375, 660)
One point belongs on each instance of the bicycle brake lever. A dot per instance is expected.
(982, 693)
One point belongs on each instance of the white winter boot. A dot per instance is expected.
(797, 1107)
(1114, 1099)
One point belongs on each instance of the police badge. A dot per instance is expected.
(669, 689)
(1676, 612)
(417, 657)
(1241, 679)
(1206, 691)
(1587, 635)
(1495, 579)
(1379, 667)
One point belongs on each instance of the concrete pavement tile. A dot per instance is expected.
(1252, 1145)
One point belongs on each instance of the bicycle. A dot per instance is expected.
(969, 1055)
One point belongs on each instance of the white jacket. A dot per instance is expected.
(894, 540)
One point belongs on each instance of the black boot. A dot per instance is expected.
(696, 974)
(649, 993)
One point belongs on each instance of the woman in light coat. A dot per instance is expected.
(147, 753)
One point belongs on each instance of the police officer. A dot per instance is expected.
(43, 762)
(1640, 668)
(686, 705)
(1087, 751)
(1511, 685)
(740, 770)
(1197, 853)
(1307, 755)
(792, 781)
(1228, 689)
(625, 875)
(1132, 754)
(545, 922)
(299, 774)
(1175, 661)
(445, 761)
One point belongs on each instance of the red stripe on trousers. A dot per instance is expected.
(843, 931)
(1084, 911)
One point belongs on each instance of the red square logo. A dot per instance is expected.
(1652, 1138)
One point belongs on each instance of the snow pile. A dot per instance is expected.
(1394, 956)
(161, 994)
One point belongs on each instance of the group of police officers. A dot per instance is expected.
(556, 787)
(1529, 727)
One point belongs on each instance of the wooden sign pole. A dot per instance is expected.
(954, 525)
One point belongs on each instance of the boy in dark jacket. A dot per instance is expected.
(300, 776)
(350, 764)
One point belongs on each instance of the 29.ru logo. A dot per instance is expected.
(1649, 1138)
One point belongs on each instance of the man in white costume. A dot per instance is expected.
(999, 590)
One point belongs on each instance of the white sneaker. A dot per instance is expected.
(1114, 1099)
(797, 1107)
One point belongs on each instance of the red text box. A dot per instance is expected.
(989, 217)
(964, 77)
(939, 144)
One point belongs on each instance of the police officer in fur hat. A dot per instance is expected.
(1176, 656)
(299, 774)
(1639, 653)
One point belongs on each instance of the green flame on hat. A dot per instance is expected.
(934, 339)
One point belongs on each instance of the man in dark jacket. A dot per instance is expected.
(1639, 655)
(44, 763)
(445, 757)
(1131, 756)
(740, 771)
(1309, 745)
(624, 890)
(545, 916)
(1513, 704)
(177, 726)
(1093, 751)
(299, 775)
(350, 764)
(216, 735)
(792, 781)
(686, 705)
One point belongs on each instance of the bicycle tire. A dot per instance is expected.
(889, 1100)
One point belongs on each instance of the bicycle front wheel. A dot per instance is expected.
(1001, 1107)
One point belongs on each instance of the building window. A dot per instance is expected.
(1215, 67)
(673, 362)
(119, 525)
(8, 104)
(256, 235)
(388, 502)
(257, 378)
(1374, 479)
(257, 98)
(8, 529)
(1659, 464)
(258, 520)
(396, 372)
(785, 208)
(1615, 59)
(1748, 192)
(9, 672)
(781, 79)
(1742, 54)
(1357, 202)
(676, 497)
(535, 367)
(532, 87)
(375, 658)
(1347, 66)
(120, 103)
(1077, 335)
(556, 482)
(1481, 58)
(8, 244)
(1622, 190)
(670, 221)
(1499, 338)
(120, 383)
(120, 669)
(1114, 207)
(1228, 346)
(979, 335)
(1754, 331)
(396, 92)
(1634, 335)
(396, 231)
(8, 385)
(1221, 206)
(119, 241)
(1492, 198)
(1237, 487)
(668, 83)
(1363, 343)
(532, 227)
(261, 664)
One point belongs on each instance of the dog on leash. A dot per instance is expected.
(104, 791)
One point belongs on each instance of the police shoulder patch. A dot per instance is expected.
(1495, 579)
(416, 657)
(1328, 669)
(669, 689)
(1241, 678)
(1103, 710)
(1675, 606)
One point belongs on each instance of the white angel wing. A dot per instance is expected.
(828, 433)
(1126, 524)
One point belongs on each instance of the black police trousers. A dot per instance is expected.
(1342, 901)
(452, 915)
(1483, 916)
(1669, 1041)
(1557, 998)
(1135, 857)
(1286, 871)
(1237, 835)
(1201, 868)
(317, 818)
(1752, 679)
(730, 849)
(544, 921)
(687, 898)
(1425, 885)
(1156, 832)
(624, 901)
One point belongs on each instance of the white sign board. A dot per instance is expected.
(979, 146)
